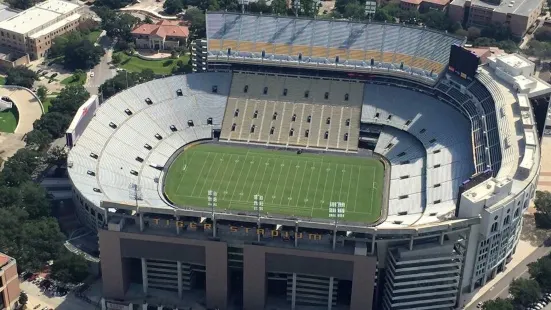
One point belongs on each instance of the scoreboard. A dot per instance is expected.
(463, 62)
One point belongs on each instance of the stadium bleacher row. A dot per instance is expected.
(118, 150)
(325, 40)
(429, 157)
(291, 111)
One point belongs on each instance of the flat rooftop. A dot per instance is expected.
(6, 12)
(514, 61)
(4, 259)
(37, 16)
(516, 7)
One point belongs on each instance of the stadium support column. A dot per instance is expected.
(179, 270)
(330, 295)
(177, 225)
(296, 234)
(141, 222)
(144, 275)
(336, 211)
(294, 292)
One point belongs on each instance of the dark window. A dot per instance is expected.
(326, 135)
(134, 172)
(214, 89)
(437, 185)
(127, 111)
(285, 92)
(436, 152)
(403, 197)
(139, 159)
(388, 146)
(291, 132)
(437, 166)
(309, 119)
(112, 125)
(328, 121)
(345, 97)
(158, 136)
(97, 190)
(326, 95)
(255, 114)
(179, 92)
(274, 117)
(94, 155)
(377, 115)
(306, 94)
(272, 130)
(209, 121)
(265, 91)
(147, 146)
(408, 122)
(346, 136)
(252, 128)
(389, 118)
(405, 162)
(306, 133)
(236, 113)
(437, 201)
(173, 128)
(294, 118)
(404, 177)
(246, 88)
(233, 127)
(190, 123)
(347, 122)
(422, 130)
(401, 154)
(90, 172)
(148, 101)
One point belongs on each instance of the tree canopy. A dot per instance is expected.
(498, 304)
(173, 7)
(540, 271)
(117, 25)
(525, 291)
(69, 268)
(124, 80)
(77, 51)
(22, 4)
(21, 76)
(543, 203)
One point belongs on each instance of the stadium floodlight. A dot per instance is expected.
(212, 199)
(336, 211)
(135, 193)
(243, 3)
(296, 6)
(258, 206)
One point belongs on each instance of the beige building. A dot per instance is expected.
(33, 30)
(164, 35)
(9, 283)
(519, 15)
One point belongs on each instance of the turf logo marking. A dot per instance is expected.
(184, 168)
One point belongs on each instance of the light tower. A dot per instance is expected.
(336, 211)
(258, 206)
(212, 199)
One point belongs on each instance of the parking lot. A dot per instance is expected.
(41, 298)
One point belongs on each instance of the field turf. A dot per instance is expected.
(292, 185)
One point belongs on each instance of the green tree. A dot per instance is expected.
(112, 4)
(437, 20)
(53, 123)
(116, 59)
(19, 168)
(38, 140)
(57, 156)
(32, 199)
(260, 6)
(22, 4)
(354, 10)
(69, 100)
(498, 304)
(23, 299)
(117, 24)
(473, 33)
(173, 7)
(42, 92)
(69, 268)
(540, 271)
(82, 55)
(279, 7)
(543, 203)
(525, 291)
(197, 19)
(21, 76)
(147, 20)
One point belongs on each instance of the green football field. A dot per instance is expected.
(291, 184)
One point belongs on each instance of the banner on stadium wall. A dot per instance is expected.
(81, 120)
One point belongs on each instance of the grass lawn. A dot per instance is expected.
(93, 36)
(8, 121)
(293, 185)
(162, 66)
(2, 80)
(71, 80)
(47, 104)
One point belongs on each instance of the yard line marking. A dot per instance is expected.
(247, 177)
(231, 176)
(285, 183)
(342, 181)
(372, 191)
(239, 177)
(270, 182)
(182, 175)
(222, 179)
(208, 174)
(357, 184)
(293, 184)
(349, 185)
(254, 179)
(322, 201)
(334, 181)
(274, 196)
(301, 182)
(262, 180)
(309, 182)
(317, 186)
(200, 172)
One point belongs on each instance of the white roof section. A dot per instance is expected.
(38, 16)
(55, 26)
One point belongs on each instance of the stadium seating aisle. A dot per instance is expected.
(119, 125)
(428, 121)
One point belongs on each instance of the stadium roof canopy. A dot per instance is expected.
(332, 42)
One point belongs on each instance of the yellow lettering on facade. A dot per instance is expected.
(156, 221)
(275, 233)
(260, 231)
(207, 226)
(299, 236)
(180, 224)
(233, 229)
(247, 230)
(314, 236)
(192, 225)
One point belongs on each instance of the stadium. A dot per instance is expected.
(310, 164)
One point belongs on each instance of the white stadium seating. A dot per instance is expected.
(118, 139)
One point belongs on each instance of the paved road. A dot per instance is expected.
(102, 71)
(501, 289)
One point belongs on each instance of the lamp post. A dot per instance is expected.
(336, 211)
(258, 206)
(212, 204)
